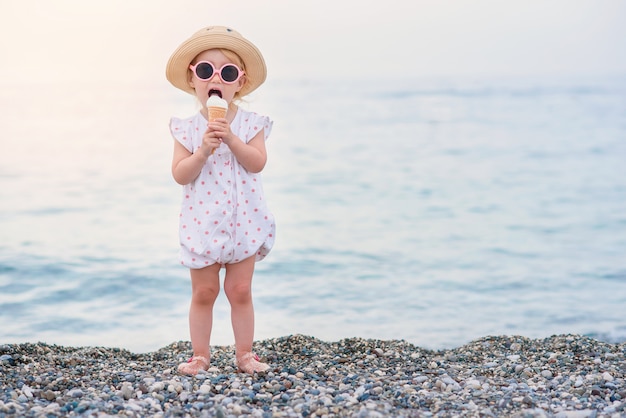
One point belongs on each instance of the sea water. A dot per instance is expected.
(431, 210)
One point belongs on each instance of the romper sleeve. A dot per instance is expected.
(258, 122)
(180, 132)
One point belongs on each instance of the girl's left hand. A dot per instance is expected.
(221, 128)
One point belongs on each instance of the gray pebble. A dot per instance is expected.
(75, 393)
(7, 360)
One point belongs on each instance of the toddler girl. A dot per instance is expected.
(224, 219)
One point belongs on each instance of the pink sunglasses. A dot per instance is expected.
(229, 73)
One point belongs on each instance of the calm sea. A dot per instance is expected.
(433, 210)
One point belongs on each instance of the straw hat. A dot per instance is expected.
(213, 37)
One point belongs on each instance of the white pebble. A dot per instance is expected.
(472, 384)
(157, 387)
(52, 408)
(133, 406)
(27, 392)
(546, 374)
(607, 376)
(127, 391)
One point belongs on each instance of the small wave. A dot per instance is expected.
(618, 337)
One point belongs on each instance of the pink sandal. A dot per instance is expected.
(249, 363)
(193, 365)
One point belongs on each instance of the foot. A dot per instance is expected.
(193, 365)
(249, 363)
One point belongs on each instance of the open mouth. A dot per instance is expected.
(215, 91)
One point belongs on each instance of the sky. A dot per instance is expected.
(131, 40)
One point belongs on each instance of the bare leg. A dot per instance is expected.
(238, 288)
(205, 286)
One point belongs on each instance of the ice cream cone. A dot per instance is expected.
(216, 112)
(216, 108)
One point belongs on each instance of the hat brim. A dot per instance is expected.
(214, 37)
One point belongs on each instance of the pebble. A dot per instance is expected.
(566, 376)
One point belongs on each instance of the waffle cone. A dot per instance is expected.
(216, 112)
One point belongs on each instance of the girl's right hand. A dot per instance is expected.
(209, 143)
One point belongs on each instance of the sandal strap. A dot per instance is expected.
(193, 365)
(201, 359)
(250, 363)
(246, 357)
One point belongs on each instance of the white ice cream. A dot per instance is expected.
(216, 101)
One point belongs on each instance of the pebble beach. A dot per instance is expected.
(559, 376)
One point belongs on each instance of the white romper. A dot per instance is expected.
(224, 217)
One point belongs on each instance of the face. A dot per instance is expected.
(214, 84)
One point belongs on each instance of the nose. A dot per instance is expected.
(215, 74)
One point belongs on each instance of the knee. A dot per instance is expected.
(205, 295)
(239, 293)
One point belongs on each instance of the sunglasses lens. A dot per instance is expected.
(230, 73)
(204, 71)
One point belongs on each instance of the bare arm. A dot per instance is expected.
(252, 156)
(185, 165)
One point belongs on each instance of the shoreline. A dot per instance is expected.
(561, 376)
